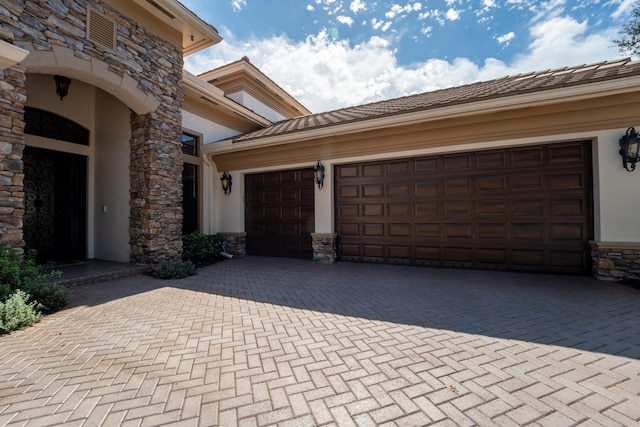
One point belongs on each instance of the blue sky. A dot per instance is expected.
(335, 53)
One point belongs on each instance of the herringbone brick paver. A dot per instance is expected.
(260, 341)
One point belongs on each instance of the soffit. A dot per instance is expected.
(194, 33)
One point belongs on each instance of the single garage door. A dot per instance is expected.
(279, 213)
(527, 208)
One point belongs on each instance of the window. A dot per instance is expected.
(189, 144)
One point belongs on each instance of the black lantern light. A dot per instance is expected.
(225, 180)
(62, 86)
(630, 149)
(318, 171)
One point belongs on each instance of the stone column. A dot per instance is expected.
(155, 226)
(324, 247)
(12, 100)
(615, 261)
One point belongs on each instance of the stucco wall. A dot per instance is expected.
(111, 205)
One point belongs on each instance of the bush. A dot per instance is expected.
(176, 270)
(201, 248)
(16, 312)
(21, 272)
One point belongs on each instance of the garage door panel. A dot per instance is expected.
(457, 162)
(530, 182)
(349, 192)
(526, 157)
(491, 184)
(457, 186)
(566, 181)
(491, 160)
(567, 207)
(458, 231)
(458, 207)
(396, 210)
(373, 230)
(346, 211)
(373, 170)
(376, 210)
(373, 190)
(400, 230)
(425, 210)
(506, 209)
(426, 230)
(398, 190)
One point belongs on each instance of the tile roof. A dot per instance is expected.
(498, 88)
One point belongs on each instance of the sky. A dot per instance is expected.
(331, 54)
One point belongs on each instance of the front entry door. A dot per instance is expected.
(55, 219)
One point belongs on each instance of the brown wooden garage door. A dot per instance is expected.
(279, 213)
(527, 208)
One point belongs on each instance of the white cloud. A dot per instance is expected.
(237, 5)
(357, 5)
(325, 74)
(506, 38)
(310, 8)
(347, 20)
(624, 7)
(453, 15)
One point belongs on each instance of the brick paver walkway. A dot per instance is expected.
(258, 341)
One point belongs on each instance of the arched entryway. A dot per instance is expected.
(55, 187)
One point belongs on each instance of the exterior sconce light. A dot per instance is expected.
(630, 149)
(318, 171)
(225, 180)
(62, 86)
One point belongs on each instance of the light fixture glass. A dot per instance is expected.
(225, 180)
(318, 171)
(630, 149)
(62, 85)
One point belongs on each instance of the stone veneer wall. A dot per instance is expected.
(156, 64)
(12, 100)
(324, 247)
(236, 243)
(615, 261)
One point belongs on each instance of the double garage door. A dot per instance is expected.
(527, 208)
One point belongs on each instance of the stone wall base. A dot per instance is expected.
(615, 261)
(236, 243)
(324, 247)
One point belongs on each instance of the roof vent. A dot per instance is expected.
(101, 30)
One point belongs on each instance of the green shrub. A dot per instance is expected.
(176, 270)
(199, 247)
(51, 296)
(21, 272)
(16, 312)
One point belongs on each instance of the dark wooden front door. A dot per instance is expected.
(55, 219)
(280, 213)
(527, 208)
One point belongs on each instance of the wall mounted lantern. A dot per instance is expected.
(62, 86)
(318, 171)
(630, 149)
(225, 180)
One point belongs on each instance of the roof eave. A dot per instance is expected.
(534, 99)
(214, 95)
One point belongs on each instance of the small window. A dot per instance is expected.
(189, 144)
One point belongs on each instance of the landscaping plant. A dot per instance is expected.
(27, 289)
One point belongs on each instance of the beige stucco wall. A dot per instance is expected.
(112, 183)
(616, 191)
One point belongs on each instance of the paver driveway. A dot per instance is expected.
(261, 341)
